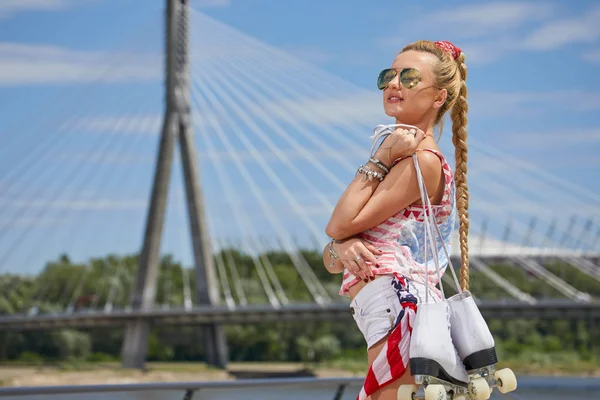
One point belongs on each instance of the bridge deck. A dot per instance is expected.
(264, 314)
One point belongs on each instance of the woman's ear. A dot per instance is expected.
(440, 99)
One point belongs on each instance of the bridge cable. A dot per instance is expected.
(270, 270)
(317, 293)
(257, 108)
(227, 252)
(245, 116)
(300, 261)
(231, 193)
(40, 147)
(273, 177)
(220, 263)
(118, 183)
(70, 176)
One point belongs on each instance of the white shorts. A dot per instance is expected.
(379, 306)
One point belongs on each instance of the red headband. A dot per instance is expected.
(449, 47)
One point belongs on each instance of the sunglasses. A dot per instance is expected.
(409, 77)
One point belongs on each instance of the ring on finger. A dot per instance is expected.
(357, 258)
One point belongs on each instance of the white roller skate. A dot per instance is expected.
(475, 345)
(435, 362)
(438, 371)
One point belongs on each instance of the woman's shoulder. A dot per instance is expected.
(427, 156)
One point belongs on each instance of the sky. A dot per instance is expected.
(284, 101)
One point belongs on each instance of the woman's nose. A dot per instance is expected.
(395, 82)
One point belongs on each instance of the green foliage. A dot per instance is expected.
(101, 281)
(70, 345)
(158, 351)
(102, 358)
(28, 357)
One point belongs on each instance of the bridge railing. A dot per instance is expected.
(343, 388)
(264, 389)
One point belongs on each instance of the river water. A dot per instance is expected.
(530, 388)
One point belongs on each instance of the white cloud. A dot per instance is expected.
(486, 52)
(532, 103)
(484, 31)
(558, 33)
(554, 139)
(9, 8)
(22, 64)
(592, 56)
(487, 32)
(481, 19)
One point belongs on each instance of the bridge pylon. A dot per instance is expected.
(177, 126)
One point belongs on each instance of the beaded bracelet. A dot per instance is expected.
(381, 165)
(332, 254)
(370, 174)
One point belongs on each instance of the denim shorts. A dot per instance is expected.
(379, 307)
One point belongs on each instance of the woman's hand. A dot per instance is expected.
(354, 253)
(400, 143)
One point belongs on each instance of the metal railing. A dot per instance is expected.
(277, 388)
(193, 390)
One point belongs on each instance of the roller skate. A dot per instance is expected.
(476, 347)
(434, 363)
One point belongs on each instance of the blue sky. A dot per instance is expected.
(81, 95)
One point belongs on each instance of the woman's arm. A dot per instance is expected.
(366, 204)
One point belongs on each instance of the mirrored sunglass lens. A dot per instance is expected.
(410, 77)
(385, 77)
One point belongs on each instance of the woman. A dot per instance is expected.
(377, 226)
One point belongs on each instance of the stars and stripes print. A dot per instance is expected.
(392, 361)
(401, 238)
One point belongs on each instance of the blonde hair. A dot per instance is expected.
(451, 74)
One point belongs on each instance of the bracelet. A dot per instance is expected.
(369, 173)
(381, 165)
(332, 254)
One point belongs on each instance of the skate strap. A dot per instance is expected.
(380, 133)
(432, 235)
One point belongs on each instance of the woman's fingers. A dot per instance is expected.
(407, 141)
(353, 268)
(374, 250)
(370, 253)
(360, 260)
(359, 257)
(419, 136)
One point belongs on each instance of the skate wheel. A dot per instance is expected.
(507, 381)
(407, 392)
(479, 389)
(435, 392)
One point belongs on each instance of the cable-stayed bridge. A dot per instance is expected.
(256, 147)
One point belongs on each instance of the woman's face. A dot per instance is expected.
(416, 103)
